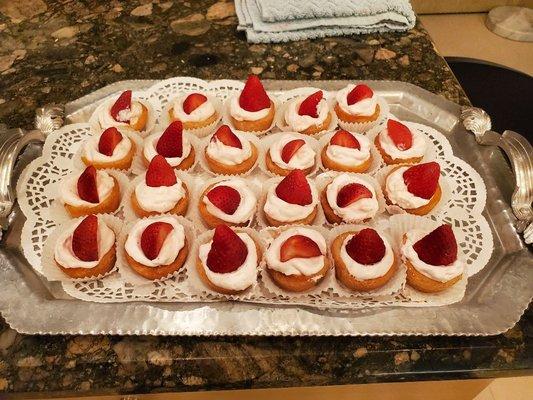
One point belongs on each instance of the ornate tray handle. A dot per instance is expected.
(12, 142)
(520, 153)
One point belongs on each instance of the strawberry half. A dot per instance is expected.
(366, 247)
(87, 187)
(295, 189)
(85, 239)
(345, 139)
(226, 136)
(290, 149)
(228, 251)
(438, 247)
(310, 105)
(170, 144)
(160, 173)
(109, 140)
(351, 193)
(358, 93)
(225, 198)
(298, 246)
(123, 103)
(400, 135)
(254, 97)
(422, 179)
(153, 237)
(192, 102)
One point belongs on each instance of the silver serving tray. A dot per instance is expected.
(495, 298)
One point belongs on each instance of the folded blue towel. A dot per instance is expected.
(285, 20)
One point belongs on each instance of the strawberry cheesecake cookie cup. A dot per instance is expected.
(347, 152)
(285, 152)
(112, 149)
(198, 112)
(228, 260)
(398, 144)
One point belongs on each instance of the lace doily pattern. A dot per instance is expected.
(463, 211)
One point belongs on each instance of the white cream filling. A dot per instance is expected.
(418, 149)
(240, 279)
(364, 108)
(202, 113)
(357, 211)
(240, 114)
(229, 155)
(246, 208)
(69, 189)
(363, 272)
(159, 199)
(106, 120)
(347, 155)
(91, 152)
(438, 273)
(302, 159)
(296, 266)
(64, 254)
(172, 245)
(150, 144)
(398, 193)
(287, 212)
(299, 122)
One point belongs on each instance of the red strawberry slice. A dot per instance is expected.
(310, 105)
(87, 187)
(400, 134)
(170, 144)
(109, 140)
(345, 139)
(225, 198)
(153, 237)
(351, 193)
(298, 246)
(254, 97)
(228, 251)
(122, 103)
(160, 173)
(192, 102)
(366, 247)
(290, 149)
(358, 93)
(438, 247)
(422, 179)
(226, 136)
(295, 189)
(85, 239)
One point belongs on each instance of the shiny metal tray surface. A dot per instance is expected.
(495, 299)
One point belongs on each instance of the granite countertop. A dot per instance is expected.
(57, 51)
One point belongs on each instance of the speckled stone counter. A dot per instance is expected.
(56, 51)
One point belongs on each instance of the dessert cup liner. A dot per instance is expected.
(397, 282)
(138, 167)
(129, 213)
(51, 271)
(197, 288)
(267, 141)
(227, 120)
(57, 212)
(164, 119)
(202, 184)
(431, 153)
(283, 126)
(370, 126)
(249, 136)
(269, 286)
(446, 186)
(129, 276)
(375, 165)
(399, 225)
(136, 96)
(136, 139)
(262, 222)
(325, 178)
